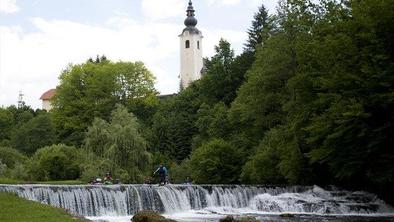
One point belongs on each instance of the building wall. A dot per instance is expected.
(191, 58)
(46, 105)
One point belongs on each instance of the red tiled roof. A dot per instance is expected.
(48, 94)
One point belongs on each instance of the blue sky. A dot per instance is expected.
(39, 38)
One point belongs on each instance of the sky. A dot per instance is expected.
(39, 38)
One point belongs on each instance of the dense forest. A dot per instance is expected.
(310, 100)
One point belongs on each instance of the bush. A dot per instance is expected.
(216, 162)
(179, 172)
(3, 168)
(56, 162)
(10, 156)
(19, 172)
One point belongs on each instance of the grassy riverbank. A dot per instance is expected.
(15, 209)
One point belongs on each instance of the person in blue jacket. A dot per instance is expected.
(162, 170)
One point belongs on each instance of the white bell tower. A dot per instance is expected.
(191, 50)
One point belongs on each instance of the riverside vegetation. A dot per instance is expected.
(310, 100)
(16, 209)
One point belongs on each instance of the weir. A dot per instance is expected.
(95, 200)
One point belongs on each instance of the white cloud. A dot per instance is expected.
(8, 6)
(223, 2)
(32, 61)
(269, 4)
(160, 9)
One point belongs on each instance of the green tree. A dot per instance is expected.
(56, 162)
(36, 133)
(262, 25)
(219, 82)
(92, 89)
(173, 124)
(121, 142)
(6, 124)
(10, 156)
(215, 162)
(278, 160)
(211, 123)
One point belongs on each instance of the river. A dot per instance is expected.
(209, 203)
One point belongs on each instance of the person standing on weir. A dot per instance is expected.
(162, 170)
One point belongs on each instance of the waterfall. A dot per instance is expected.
(94, 200)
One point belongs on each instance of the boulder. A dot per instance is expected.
(241, 219)
(286, 215)
(149, 216)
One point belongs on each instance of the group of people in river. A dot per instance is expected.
(161, 172)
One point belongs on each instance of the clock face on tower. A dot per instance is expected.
(191, 58)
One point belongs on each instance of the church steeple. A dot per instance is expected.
(190, 21)
(191, 49)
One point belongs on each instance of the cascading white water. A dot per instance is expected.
(128, 199)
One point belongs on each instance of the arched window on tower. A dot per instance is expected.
(198, 44)
(187, 44)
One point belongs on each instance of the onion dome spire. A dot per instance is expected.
(190, 21)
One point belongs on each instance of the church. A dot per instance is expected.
(191, 58)
(191, 50)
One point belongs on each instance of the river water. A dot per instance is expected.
(209, 203)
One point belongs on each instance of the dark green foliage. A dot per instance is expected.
(321, 91)
(6, 123)
(56, 162)
(36, 133)
(220, 82)
(173, 124)
(180, 172)
(259, 31)
(216, 161)
(278, 160)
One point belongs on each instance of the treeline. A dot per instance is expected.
(91, 130)
(309, 101)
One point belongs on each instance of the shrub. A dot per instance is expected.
(3, 168)
(19, 172)
(56, 162)
(10, 156)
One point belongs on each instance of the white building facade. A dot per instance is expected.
(191, 50)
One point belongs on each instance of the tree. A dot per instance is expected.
(215, 162)
(220, 82)
(173, 124)
(259, 31)
(120, 141)
(212, 122)
(10, 156)
(36, 133)
(6, 124)
(56, 162)
(92, 89)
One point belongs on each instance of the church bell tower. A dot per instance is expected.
(191, 50)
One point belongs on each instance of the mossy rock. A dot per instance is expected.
(286, 215)
(242, 219)
(149, 216)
